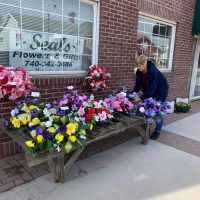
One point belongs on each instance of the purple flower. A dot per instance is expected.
(60, 112)
(28, 99)
(34, 112)
(150, 121)
(5, 123)
(47, 135)
(48, 105)
(62, 129)
(39, 130)
(20, 104)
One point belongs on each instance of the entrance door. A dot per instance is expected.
(195, 82)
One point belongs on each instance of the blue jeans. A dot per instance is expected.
(159, 126)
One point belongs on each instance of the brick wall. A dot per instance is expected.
(118, 28)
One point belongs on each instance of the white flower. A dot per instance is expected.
(70, 87)
(46, 112)
(53, 111)
(64, 108)
(33, 133)
(82, 137)
(124, 94)
(31, 124)
(48, 123)
(110, 116)
(13, 113)
(58, 149)
(96, 118)
(91, 97)
(76, 119)
(142, 109)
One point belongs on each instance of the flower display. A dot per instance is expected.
(48, 127)
(96, 78)
(182, 107)
(119, 102)
(14, 83)
(86, 110)
(151, 110)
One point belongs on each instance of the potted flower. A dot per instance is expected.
(182, 107)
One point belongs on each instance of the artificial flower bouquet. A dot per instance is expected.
(119, 101)
(151, 110)
(87, 111)
(48, 126)
(14, 83)
(182, 107)
(96, 78)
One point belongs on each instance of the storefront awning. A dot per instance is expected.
(196, 21)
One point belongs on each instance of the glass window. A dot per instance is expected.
(154, 39)
(47, 35)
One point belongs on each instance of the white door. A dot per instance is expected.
(195, 81)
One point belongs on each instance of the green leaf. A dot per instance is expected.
(79, 142)
(64, 120)
(68, 147)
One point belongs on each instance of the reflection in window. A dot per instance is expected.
(47, 35)
(154, 39)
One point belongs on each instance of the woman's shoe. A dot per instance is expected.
(155, 135)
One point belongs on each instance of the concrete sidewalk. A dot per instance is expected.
(164, 169)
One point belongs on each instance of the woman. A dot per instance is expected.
(153, 84)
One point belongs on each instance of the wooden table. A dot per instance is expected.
(57, 162)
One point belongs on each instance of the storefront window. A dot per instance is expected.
(155, 39)
(48, 35)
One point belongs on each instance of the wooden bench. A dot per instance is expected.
(57, 162)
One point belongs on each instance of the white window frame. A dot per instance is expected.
(167, 22)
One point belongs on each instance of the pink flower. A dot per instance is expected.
(81, 111)
(102, 116)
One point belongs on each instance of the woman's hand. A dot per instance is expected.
(136, 101)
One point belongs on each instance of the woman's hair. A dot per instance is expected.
(141, 59)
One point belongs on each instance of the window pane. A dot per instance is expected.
(140, 37)
(52, 23)
(86, 61)
(87, 48)
(32, 20)
(70, 26)
(71, 62)
(86, 11)
(4, 57)
(10, 17)
(53, 6)
(86, 29)
(11, 2)
(10, 39)
(71, 8)
(36, 4)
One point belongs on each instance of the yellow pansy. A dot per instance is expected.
(39, 138)
(15, 122)
(31, 107)
(42, 123)
(72, 138)
(83, 132)
(55, 117)
(36, 120)
(51, 130)
(59, 137)
(71, 128)
(91, 127)
(30, 143)
(24, 121)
